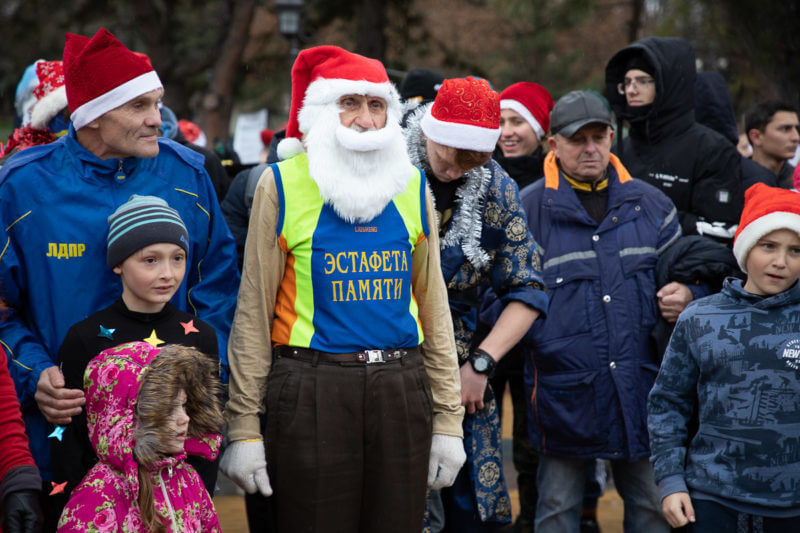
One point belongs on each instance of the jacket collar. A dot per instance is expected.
(734, 288)
(90, 166)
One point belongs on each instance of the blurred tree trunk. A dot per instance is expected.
(637, 8)
(217, 103)
(370, 36)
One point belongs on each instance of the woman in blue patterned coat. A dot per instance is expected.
(484, 238)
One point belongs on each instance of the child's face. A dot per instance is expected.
(773, 264)
(178, 425)
(151, 276)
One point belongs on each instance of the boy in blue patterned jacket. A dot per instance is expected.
(734, 357)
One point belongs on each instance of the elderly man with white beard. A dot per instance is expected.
(342, 330)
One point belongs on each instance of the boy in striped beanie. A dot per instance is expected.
(148, 247)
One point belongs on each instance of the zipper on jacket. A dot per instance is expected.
(166, 497)
(120, 175)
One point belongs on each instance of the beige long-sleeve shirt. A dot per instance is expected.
(250, 345)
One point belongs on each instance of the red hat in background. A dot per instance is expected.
(323, 74)
(101, 75)
(51, 96)
(266, 137)
(465, 115)
(532, 101)
(766, 209)
(192, 132)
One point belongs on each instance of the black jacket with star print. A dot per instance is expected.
(73, 455)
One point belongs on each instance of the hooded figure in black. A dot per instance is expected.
(698, 168)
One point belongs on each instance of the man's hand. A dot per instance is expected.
(678, 509)
(245, 463)
(473, 386)
(447, 458)
(57, 404)
(672, 299)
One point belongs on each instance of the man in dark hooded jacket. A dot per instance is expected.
(694, 165)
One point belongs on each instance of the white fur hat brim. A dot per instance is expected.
(755, 230)
(457, 135)
(48, 107)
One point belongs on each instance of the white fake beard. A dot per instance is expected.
(357, 173)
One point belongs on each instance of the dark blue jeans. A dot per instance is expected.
(712, 517)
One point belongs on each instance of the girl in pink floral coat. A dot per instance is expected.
(146, 409)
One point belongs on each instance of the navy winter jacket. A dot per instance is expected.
(590, 363)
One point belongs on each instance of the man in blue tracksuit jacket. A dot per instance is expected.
(589, 364)
(54, 204)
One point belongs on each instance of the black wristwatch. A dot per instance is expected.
(482, 362)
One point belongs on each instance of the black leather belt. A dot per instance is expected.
(364, 357)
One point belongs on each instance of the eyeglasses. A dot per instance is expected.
(641, 81)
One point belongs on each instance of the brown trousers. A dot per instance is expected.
(348, 446)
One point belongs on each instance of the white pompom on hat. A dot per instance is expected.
(766, 209)
(101, 75)
(320, 76)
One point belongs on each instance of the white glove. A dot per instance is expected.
(245, 463)
(447, 457)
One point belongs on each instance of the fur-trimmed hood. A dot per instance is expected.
(467, 223)
(129, 395)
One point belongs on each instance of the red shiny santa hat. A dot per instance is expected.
(532, 102)
(766, 209)
(465, 115)
(51, 96)
(323, 74)
(101, 75)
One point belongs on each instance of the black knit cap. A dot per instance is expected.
(140, 222)
(421, 83)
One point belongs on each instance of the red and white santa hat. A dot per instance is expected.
(465, 115)
(323, 74)
(532, 101)
(101, 75)
(51, 96)
(766, 209)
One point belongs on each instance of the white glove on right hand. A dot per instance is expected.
(447, 458)
(244, 461)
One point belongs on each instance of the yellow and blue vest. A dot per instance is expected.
(346, 286)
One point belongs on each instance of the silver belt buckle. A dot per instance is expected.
(374, 356)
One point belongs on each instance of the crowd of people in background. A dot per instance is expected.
(335, 328)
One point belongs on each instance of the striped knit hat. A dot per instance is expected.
(140, 222)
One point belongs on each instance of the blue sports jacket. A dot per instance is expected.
(54, 204)
(589, 362)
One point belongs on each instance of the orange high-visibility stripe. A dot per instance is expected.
(284, 305)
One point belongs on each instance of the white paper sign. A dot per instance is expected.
(247, 136)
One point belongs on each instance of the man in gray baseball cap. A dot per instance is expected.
(591, 364)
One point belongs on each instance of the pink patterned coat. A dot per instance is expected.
(125, 387)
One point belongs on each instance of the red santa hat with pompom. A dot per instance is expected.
(101, 74)
(323, 74)
(766, 209)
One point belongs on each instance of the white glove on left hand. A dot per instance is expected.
(447, 458)
(245, 463)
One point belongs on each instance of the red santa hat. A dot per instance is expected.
(320, 76)
(51, 96)
(465, 115)
(766, 209)
(532, 102)
(101, 75)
